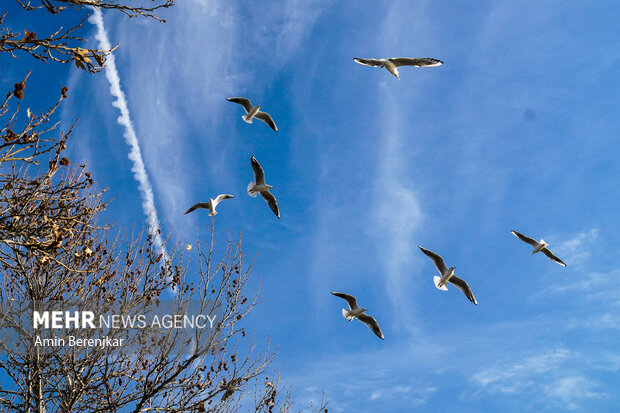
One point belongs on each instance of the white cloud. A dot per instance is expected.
(515, 377)
(378, 377)
(603, 287)
(577, 249)
(606, 321)
(549, 376)
(399, 211)
(416, 395)
(299, 18)
(568, 391)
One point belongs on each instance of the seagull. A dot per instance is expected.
(392, 63)
(354, 311)
(447, 274)
(261, 187)
(539, 246)
(253, 112)
(210, 205)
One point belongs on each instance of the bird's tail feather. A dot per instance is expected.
(251, 190)
(345, 314)
(436, 281)
(245, 118)
(212, 213)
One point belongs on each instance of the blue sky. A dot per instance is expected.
(517, 130)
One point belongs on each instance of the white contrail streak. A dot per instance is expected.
(135, 155)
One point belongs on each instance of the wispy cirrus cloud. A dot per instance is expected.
(400, 211)
(578, 249)
(415, 394)
(300, 17)
(567, 392)
(399, 214)
(599, 287)
(513, 377)
(550, 376)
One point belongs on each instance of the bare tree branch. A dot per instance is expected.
(65, 45)
(133, 10)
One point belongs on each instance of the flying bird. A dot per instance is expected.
(210, 205)
(447, 275)
(253, 112)
(261, 187)
(392, 63)
(355, 312)
(539, 246)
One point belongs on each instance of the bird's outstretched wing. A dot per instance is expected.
(271, 201)
(437, 260)
(194, 207)
(463, 286)
(549, 254)
(415, 61)
(523, 238)
(220, 198)
(267, 119)
(352, 301)
(369, 62)
(242, 101)
(259, 174)
(372, 324)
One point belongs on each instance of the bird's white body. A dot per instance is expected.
(542, 244)
(440, 282)
(251, 113)
(391, 67)
(212, 205)
(254, 189)
(351, 314)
